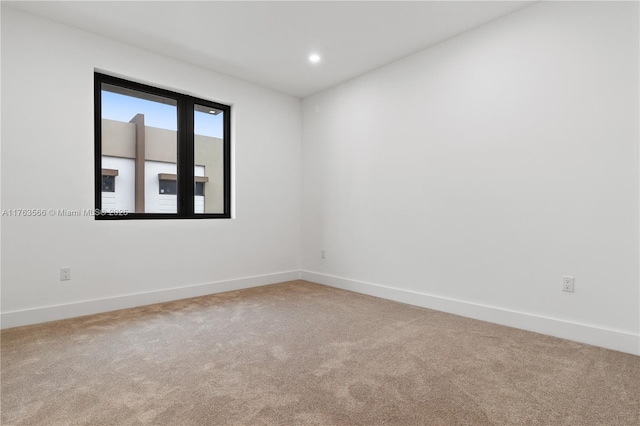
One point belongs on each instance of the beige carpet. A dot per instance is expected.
(300, 353)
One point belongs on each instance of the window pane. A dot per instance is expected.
(209, 160)
(139, 141)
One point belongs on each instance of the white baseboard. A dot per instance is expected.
(606, 338)
(89, 307)
(610, 339)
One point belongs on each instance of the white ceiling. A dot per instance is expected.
(268, 43)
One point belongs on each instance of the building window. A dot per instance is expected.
(168, 187)
(159, 143)
(199, 188)
(109, 180)
(108, 183)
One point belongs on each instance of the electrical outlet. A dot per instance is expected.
(65, 273)
(567, 283)
(322, 255)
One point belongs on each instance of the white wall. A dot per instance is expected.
(124, 196)
(472, 176)
(153, 200)
(198, 200)
(47, 162)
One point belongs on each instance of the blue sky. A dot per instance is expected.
(124, 108)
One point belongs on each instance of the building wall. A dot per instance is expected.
(47, 162)
(153, 200)
(119, 140)
(160, 144)
(209, 153)
(123, 198)
(472, 176)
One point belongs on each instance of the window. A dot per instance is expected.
(168, 187)
(108, 183)
(109, 180)
(171, 153)
(200, 188)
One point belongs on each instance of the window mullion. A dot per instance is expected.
(185, 157)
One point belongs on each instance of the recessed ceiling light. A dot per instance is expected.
(314, 58)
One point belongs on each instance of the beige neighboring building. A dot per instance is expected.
(139, 165)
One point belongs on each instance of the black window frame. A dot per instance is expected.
(185, 155)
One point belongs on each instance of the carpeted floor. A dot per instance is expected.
(300, 353)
